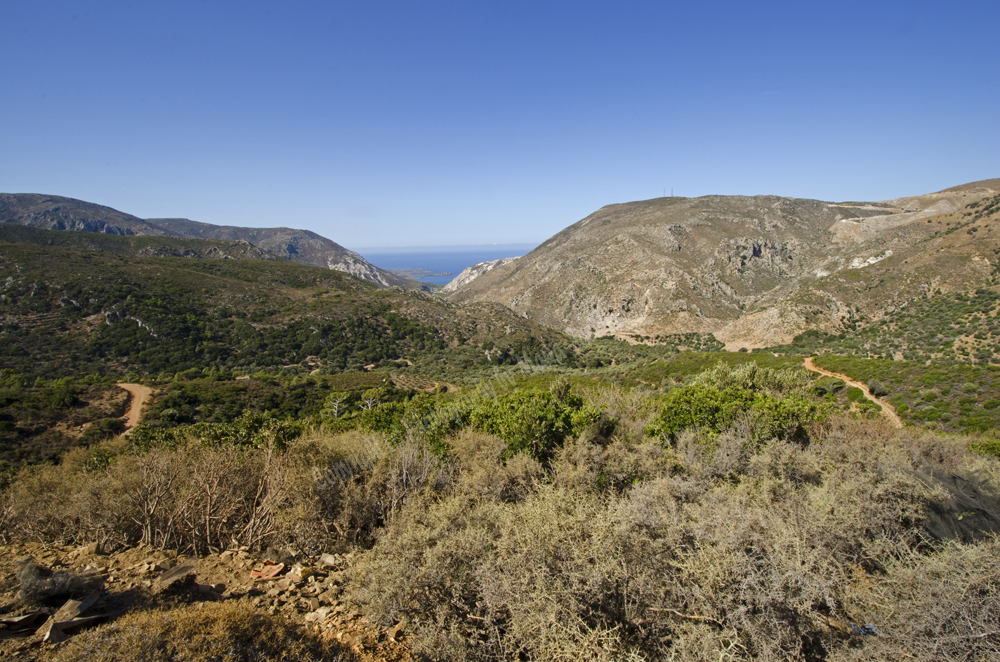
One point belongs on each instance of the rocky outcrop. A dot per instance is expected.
(469, 274)
(354, 264)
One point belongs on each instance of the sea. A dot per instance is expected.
(439, 264)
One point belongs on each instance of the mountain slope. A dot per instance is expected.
(136, 245)
(50, 212)
(53, 212)
(755, 271)
(66, 307)
(300, 246)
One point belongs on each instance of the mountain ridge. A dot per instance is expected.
(51, 212)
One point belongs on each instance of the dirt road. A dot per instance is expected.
(139, 394)
(887, 410)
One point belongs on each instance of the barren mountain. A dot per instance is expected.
(755, 271)
(49, 212)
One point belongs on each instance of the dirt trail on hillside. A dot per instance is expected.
(139, 394)
(887, 410)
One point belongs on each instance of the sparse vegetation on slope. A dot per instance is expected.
(947, 329)
(40, 418)
(755, 271)
(958, 397)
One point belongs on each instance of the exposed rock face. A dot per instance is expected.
(356, 265)
(469, 274)
(50, 212)
(753, 270)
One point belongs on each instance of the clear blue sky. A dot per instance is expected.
(433, 123)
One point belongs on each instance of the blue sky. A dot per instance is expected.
(435, 123)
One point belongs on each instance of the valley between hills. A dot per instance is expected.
(726, 427)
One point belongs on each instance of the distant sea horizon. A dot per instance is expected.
(438, 265)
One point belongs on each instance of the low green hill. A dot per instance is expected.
(68, 309)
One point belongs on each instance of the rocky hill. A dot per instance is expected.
(469, 274)
(300, 246)
(49, 212)
(755, 271)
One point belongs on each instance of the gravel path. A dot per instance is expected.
(139, 395)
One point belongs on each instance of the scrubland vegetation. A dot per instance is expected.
(953, 329)
(505, 490)
(571, 520)
(108, 313)
(952, 398)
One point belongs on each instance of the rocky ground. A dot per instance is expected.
(306, 591)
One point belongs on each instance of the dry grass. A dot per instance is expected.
(232, 631)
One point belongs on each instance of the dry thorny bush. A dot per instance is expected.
(715, 549)
(198, 499)
(865, 542)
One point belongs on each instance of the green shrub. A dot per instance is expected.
(532, 422)
(752, 377)
(827, 385)
(251, 429)
(869, 408)
(878, 389)
(712, 410)
(104, 429)
(385, 418)
(986, 447)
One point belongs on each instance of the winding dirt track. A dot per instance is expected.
(139, 394)
(887, 410)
